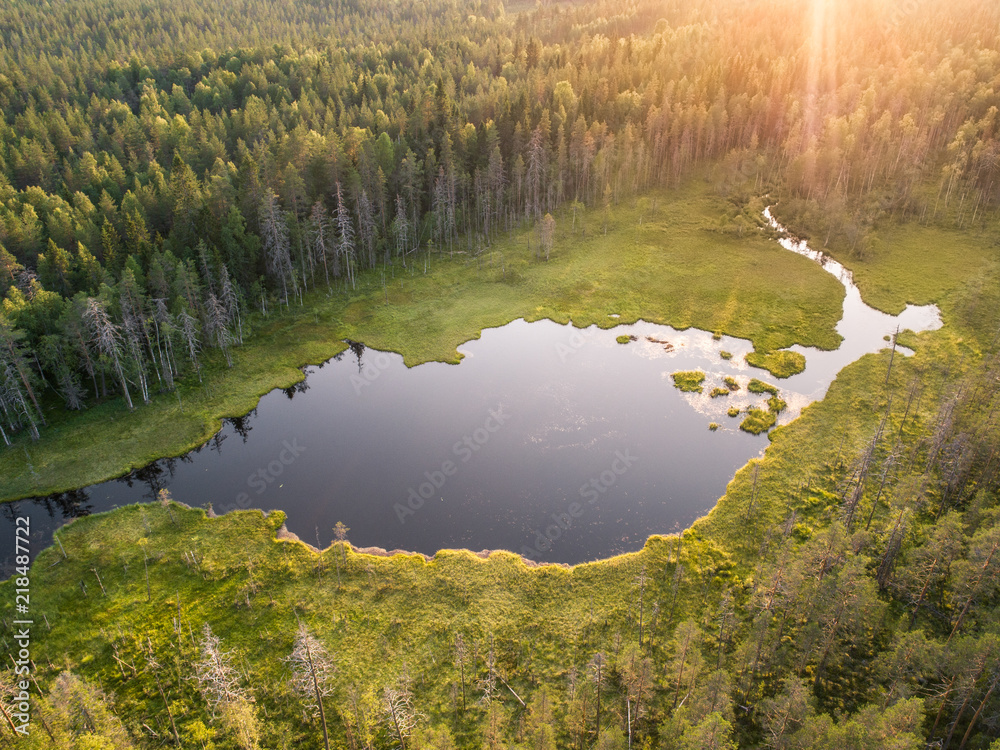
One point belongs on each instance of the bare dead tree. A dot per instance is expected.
(547, 234)
(229, 296)
(218, 327)
(312, 674)
(319, 231)
(277, 246)
(345, 236)
(461, 656)
(218, 680)
(397, 705)
(107, 337)
(189, 327)
(597, 671)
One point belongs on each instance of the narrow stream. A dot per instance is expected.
(558, 443)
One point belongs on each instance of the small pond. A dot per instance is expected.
(558, 443)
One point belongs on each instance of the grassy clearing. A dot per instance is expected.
(782, 364)
(671, 267)
(689, 381)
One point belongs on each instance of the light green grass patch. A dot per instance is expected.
(781, 364)
(689, 381)
(757, 421)
(759, 386)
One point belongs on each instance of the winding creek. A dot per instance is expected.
(551, 441)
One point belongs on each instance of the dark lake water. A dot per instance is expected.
(551, 441)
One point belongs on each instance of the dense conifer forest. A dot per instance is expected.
(176, 174)
(168, 168)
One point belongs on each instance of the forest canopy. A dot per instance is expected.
(164, 168)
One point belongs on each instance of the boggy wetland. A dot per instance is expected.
(436, 375)
(388, 450)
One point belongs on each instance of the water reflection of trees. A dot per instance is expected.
(241, 425)
(301, 387)
(358, 350)
(157, 475)
(71, 504)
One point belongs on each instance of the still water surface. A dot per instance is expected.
(551, 441)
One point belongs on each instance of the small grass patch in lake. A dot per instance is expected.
(759, 386)
(734, 411)
(781, 364)
(730, 383)
(689, 381)
(716, 392)
(776, 405)
(713, 426)
(623, 339)
(758, 421)
(726, 355)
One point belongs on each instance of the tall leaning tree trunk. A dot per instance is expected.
(319, 696)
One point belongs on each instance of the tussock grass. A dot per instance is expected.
(759, 386)
(757, 421)
(782, 364)
(689, 381)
